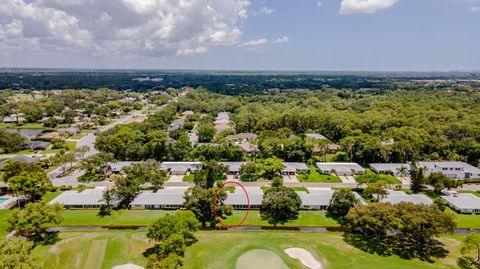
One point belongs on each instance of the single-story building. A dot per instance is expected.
(242, 137)
(316, 136)
(220, 127)
(14, 118)
(454, 170)
(161, 199)
(333, 148)
(465, 203)
(248, 147)
(20, 158)
(292, 168)
(233, 167)
(238, 199)
(389, 168)
(176, 124)
(359, 198)
(340, 169)
(188, 113)
(70, 130)
(36, 145)
(181, 168)
(89, 198)
(118, 166)
(395, 197)
(316, 198)
(51, 136)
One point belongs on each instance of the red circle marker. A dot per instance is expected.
(215, 204)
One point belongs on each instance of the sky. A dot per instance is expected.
(309, 35)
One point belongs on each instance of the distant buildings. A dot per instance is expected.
(36, 145)
(161, 199)
(340, 169)
(181, 168)
(241, 137)
(222, 123)
(454, 170)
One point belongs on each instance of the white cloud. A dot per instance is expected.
(365, 6)
(264, 11)
(319, 4)
(475, 9)
(255, 42)
(283, 39)
(121, 27)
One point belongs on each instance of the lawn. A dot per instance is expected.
(72, 146)
(265, 188)
(94, 250)
(189, 178)
(315, 176)
(4, 214)
(77, 136)
(49, 196)
(23, 126)
(221, 249)
(370, 176)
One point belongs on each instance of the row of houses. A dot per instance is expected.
(455, 170)
(314, 199)
(174, 198)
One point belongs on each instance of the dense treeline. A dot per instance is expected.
(393, 126)
(224, 82)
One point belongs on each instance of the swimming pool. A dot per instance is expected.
(3, 199)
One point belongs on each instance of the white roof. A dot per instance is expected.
(118, 166)
(395, 197)
(290, 166)
(161, 197)
(316, 136)
(316, 197)
(86, 197)
(340, 167)
(392, 167)
(464, 200)
(181, 166)
(238, 197)
(234, 166)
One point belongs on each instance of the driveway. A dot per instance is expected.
(176, 178)
(290, 179)
(348, 179)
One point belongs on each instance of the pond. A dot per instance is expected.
(27, 133)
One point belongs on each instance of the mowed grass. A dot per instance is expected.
(221, 249)
(315, 176)
(118, 217)
(94, 250)
(370, 176)
(4, 214)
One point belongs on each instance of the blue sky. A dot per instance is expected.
(383, 35)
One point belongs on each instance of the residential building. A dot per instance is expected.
(340, 169)
(36, 145)
(242, 137)
(89, 198)
(455, 170)
(161, 199)
(233, 167)
(389, 168)
(292, 168)
(465, 203)
(181, 168)
(395, 197)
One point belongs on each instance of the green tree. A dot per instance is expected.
(439, 182)
(342, 201)
(16, 254)
(272, 167)
(417, 178)
(172, 235)
(378, 219)
(33, 185)
(10, 142)
(250, 171)
(211, 172)
(14, 168)
(280, 205)
(107, 197)
(31, 221)
(376, 190)
(147, 172)
(200, 201)
(471, 246)
(205, 132)
(420, 223)
(63, 160)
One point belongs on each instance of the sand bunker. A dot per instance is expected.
(260, 258)
(128, 266)
(305, 257)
